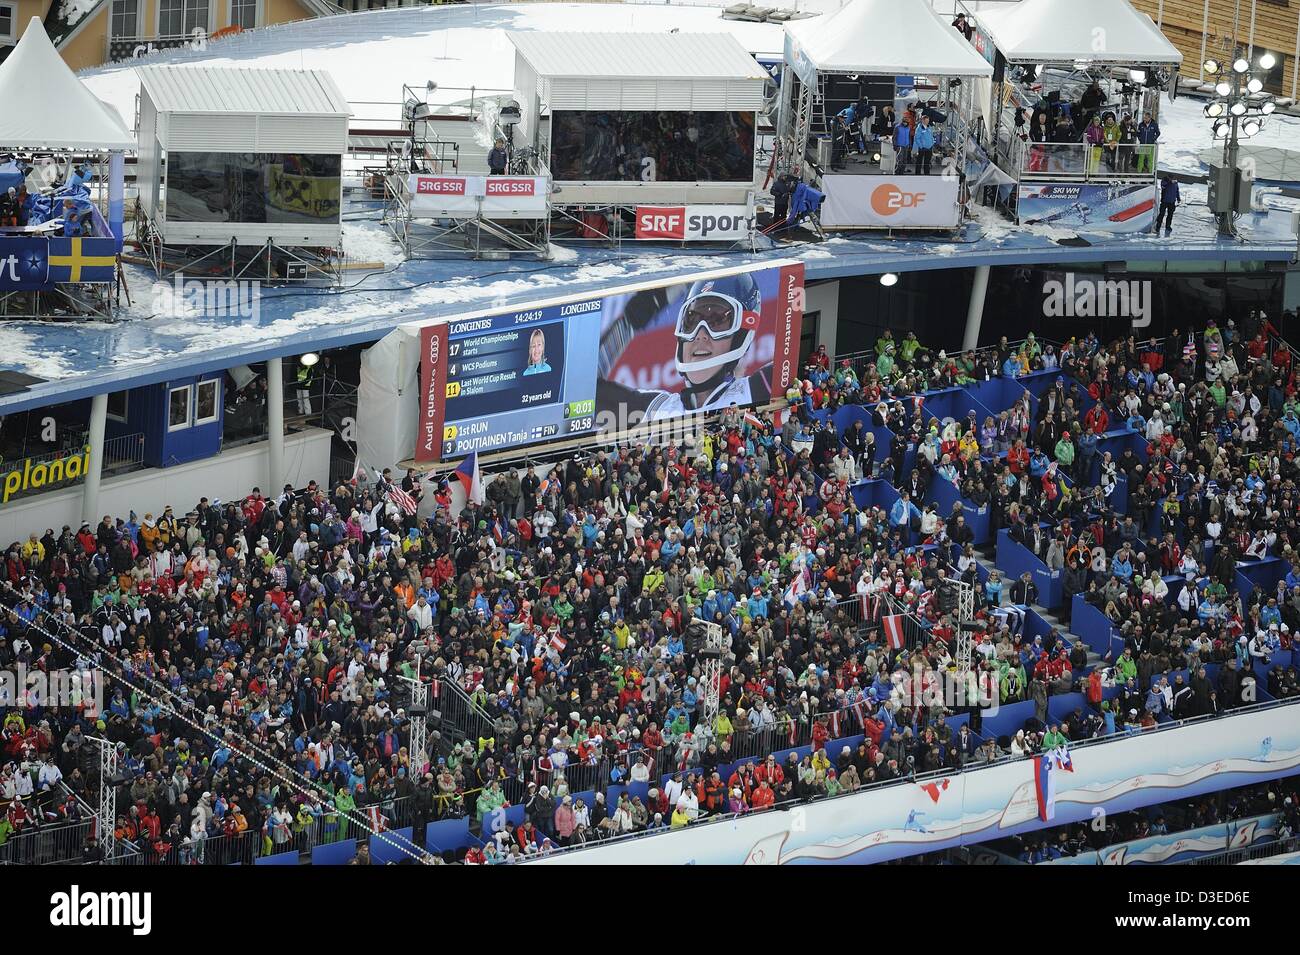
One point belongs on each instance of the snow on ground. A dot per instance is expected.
(1185, 131)
(371, 55)
(369, 240)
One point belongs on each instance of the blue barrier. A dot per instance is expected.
(945, 494)
(280, 858)
(1263, 574)
(448, 835)
(1008, 719)
(393, 846)
(1015, 559)
(997, 394)
(334, 853)
(1062, 705)
(1094, 628)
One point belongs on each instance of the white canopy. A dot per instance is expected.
(1064, 31)
(47, 107)
(886, 37)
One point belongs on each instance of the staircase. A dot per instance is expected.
(984, 554)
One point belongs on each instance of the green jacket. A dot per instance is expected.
(1065, 452)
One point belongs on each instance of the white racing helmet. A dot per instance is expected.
(725, 308)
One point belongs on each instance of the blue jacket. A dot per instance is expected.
(1148, 133)
(924, 137)
(902, 136)
(1169, 193)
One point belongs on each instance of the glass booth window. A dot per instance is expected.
(613, 145)
(178, 408)
(205, 401)
(252, 187)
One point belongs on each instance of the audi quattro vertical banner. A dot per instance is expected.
(607, 362)
(433, 377)
(890, 202)
(1087, 206)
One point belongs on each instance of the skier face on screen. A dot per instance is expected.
(537, 348)
(716, 327)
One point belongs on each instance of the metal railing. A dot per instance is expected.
(121, 454)
(56, 844)
(949, 771)
(1238, 856)
(1084, 161)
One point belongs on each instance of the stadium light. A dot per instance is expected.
(889, 279)
(1255, 84)
(1214, 109)
(1137, 76)
(1238, 108)
(1211, 67)
(1224, 88)
(1268, 107)
(1267, 61)
(1241, 65)
(1252, 127)
(1221, 129)
(309, 359)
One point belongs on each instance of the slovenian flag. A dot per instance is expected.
(1045, 786)
(1061, 755)
(467, 473)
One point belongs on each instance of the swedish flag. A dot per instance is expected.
(82, 259)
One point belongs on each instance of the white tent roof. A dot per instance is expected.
(204, 89)
(889, 37)
(1063, 31)
(637, 55)
(47, 107)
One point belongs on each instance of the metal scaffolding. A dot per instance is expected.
(107, 815)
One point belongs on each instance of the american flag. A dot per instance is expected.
(402, 499)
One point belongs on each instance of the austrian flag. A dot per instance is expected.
(893, 627)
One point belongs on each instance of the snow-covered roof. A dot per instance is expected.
(1064, 31)
(637, 55)
(47, 107)
(201, 89)
(887, 37)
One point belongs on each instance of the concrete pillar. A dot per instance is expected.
(90, 490)
(275, 426)
(975, 311)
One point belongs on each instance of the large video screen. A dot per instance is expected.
(607, 363)
(657, 146)
(252, 187)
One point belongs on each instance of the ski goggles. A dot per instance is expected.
(721, 316)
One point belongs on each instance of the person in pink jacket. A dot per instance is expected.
(564, 821)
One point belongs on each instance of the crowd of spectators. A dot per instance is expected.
(262, 648)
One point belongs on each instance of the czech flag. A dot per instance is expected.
(467, 473)
(1045, 786)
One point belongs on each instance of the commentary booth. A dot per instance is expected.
(878, 54)
(645, 136)
(240, 172)
(62, 153)
(1057, 64)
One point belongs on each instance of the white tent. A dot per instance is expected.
(47, 107)
(885, 37)
(1066, 31)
